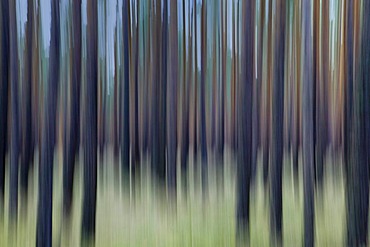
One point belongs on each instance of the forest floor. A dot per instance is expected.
(143, 215)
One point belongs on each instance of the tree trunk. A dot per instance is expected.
(90, 147)
(44, 210)
(297, 100)
(156, 97)
(203, 137)
(14, 151)
(267, 113)
(4, 30)
(27, 103)
(308, 127)
(277, 149)
(257, 92)
(245, 118)
(74, 125)
(185, 101)
(161, 169)
(195, 135)
(171, 96)
(357, 125)
(125, 146)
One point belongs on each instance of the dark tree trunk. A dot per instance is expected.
(267, 125)
(308, 127)
(357, 138)
(222, 92)
(161, 166)
(185, 103)
(203, 59)
(90, 147)
(348, 115)
(135, 145)
(277, 149)
(74, 125)
(27, 103)
(156, 97)
(195, 136)
(171, 96)
(297, 100)
(125, 147)
(116, 130)
(245, 118)
(321, 94)
(14, 151)
(366, 89)
(4, 30)
(44, 210)
(257, 94)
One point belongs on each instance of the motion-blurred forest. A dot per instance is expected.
(184, 123)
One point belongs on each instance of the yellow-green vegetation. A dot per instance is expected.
(144, 216)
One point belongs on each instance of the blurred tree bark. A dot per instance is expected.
(171, 97)
(74, 124)
(27, 144)
(277, 149)
(267, 112)
(245, 102)
(203, 61)
(14, 151)
(125, 146)
(155, 94)
(90, 147)
(4, 71)
(195, 133)
(185, 93)
(44, 209)
(308, 125)
(357, 123)
(297, 98)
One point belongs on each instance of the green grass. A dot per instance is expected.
(144, 216)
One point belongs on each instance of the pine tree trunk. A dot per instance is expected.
(14, 151)
(44, 209)
(308, 127)
(4, 30)
(171, 97)
(277, 150)
(90, 147)
(245, 118)
(74, 125)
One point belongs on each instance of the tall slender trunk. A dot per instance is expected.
(245, 117)
(4, 29)
(125, 147)
(276, 168)
(357, 124)
(171, 96)
(14, 151)
(27, 97)
(90, 148)
(195, 137)
(257, 85)
(116, 129)
(74, 125)
(221, 115)
(308, 125)
(135, 144)
(267, 125)
(44, 209)
(156, 94)
(203, 60)
(185, 101)
(297, 100)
